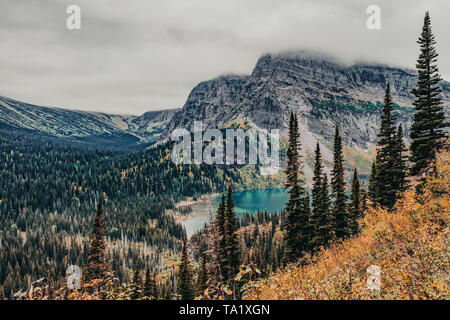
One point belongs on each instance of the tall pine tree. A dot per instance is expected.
(355, 204)
(296, 227)
(340, 215)
(290, 248)
(232, 244)
(185, 286)
(220, 221)
(399, 163)
(385, 178)
(427, 129)
(97, 266)
(215, 266)
(326, 205)
(320, 219)
(202, 283)
(136, 290)
(148, 284)
(155, 286)
(373, 187)
(363, 196)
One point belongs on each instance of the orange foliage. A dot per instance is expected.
(410, 245)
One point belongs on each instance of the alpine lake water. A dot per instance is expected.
(244, 201)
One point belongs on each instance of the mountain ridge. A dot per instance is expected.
(68, 123)
(281, 78)
(321, 90)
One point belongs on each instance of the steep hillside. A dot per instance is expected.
(409, 245)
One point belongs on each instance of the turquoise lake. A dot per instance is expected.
(244, 201)
(259, 200)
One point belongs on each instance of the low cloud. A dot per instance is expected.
(141, 55)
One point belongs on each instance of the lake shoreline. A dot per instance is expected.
(250, 200)
(189, 203)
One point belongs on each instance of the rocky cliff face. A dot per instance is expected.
(322, 91)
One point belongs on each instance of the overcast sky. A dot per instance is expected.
(139, 55)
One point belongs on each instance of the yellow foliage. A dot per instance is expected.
(410, 245)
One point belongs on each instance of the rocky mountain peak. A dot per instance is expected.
(323, 91)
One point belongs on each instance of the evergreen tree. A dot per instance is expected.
(303, 212)
(355, 204)
(302, 203)
(427, 129)
(363, 194)
(148, 284)
(215, 267)
(326, 206)
(385, 170)
(155, 287)
(290, 249)
(297, 207)
(97, 266)
(399, 162)
(221, 238)
(185, 287)
(340, 215)
(373, 187)
(387, 179)
(320, 219)
(136, 291)
(317, 182)
(202, 284)
(232, 246)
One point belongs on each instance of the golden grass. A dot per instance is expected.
(410, 245)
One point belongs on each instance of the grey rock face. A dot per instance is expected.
(323, 92)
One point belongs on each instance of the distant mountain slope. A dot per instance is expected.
(84, 125)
